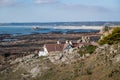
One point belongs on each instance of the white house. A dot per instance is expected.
(49, 48)
(42, 53)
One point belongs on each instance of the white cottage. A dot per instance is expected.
(49, 48)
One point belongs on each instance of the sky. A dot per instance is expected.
(59, 10)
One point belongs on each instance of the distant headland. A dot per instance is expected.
(85, 23)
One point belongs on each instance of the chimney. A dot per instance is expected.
(66, 41)
(58, 42)
(70, 42)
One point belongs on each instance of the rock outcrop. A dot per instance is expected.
(103, 64)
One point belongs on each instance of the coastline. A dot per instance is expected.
(80, 27)
(27, 44)
(27, 30)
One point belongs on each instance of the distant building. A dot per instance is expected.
(49, 48)
(63, 46)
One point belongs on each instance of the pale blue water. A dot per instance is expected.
(21, 30)
(24, 30)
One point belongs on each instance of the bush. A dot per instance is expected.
(112, 38)
(87, 49)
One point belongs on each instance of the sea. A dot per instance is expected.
(56, 27)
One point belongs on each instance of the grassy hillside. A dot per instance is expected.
(103, 64)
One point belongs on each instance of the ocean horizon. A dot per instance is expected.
(55, 27)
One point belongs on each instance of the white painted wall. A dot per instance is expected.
(45, 50)
(42, 53)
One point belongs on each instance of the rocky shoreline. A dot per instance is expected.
(30, 44)
(19, 59)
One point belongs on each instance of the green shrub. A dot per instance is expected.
(112, 38)
(90, 49)
(87, 49)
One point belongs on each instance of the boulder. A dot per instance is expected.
(35, 71)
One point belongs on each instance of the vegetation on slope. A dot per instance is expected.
(112, 38)
(104, 65)
(86, 49)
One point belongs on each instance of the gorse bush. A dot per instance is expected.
(87, 49)
(112, 38)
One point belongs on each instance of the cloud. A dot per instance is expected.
(84, 8)
(7, 2)
(45, 1)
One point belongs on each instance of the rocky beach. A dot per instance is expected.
(33, 43)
